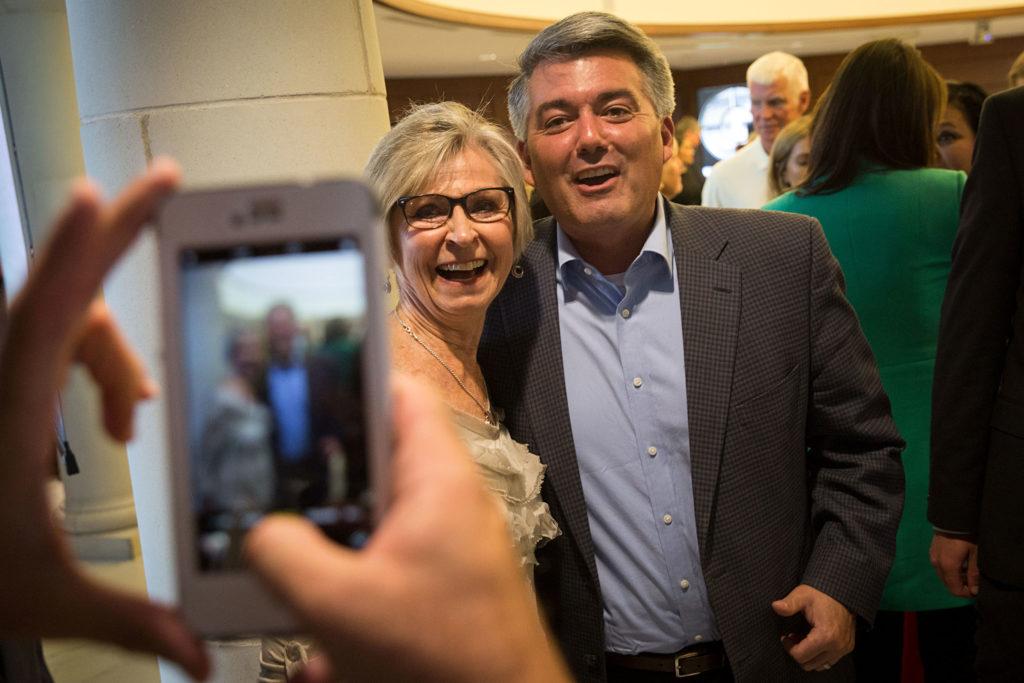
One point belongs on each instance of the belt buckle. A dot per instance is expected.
(680, 663)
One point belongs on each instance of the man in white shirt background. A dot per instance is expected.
(779, 93)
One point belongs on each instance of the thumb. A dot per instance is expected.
(788, 606)
(299, 563)
(317, 670)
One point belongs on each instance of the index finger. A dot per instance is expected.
(813, 645)
(973, 573)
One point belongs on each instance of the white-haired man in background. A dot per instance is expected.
(779, 93)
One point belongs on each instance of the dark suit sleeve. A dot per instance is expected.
(855, 476)
(977, 318)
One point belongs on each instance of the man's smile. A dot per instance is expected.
(595, 178)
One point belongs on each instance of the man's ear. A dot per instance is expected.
(804, 101)
(668, 131)
(524, 154)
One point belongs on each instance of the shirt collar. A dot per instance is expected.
(657, 242)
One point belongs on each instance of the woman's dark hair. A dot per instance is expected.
(882, 107)
(968, 98)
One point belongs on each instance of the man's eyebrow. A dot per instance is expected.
(553, 104)
(561, 103)
(615, 95)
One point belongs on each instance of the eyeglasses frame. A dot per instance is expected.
(456, 201)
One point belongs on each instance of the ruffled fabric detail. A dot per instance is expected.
(515, 475)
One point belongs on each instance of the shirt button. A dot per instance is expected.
(588, 271)
(667, 519)
(652, 451)
(698, 637)
(625, 313)
(637, 382)
(684, 584)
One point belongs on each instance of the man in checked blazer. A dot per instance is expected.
(720, 453)
(977, 461)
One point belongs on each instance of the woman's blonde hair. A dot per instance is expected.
(1016, 72)
(785, 141)
(427, 138)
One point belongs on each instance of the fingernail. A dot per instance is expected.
(165, 164)
(85, 188)
(150, 389)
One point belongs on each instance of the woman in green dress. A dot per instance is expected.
(890, 220)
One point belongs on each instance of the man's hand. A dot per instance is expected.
(55, 321)
(832, 628)
(437, 594)
(955, 558)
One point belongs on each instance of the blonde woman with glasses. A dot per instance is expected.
(457, 218)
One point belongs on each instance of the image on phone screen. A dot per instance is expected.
(272, 341)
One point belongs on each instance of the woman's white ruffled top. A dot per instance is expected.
(514, 474)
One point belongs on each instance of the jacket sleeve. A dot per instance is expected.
(977, 319)
(855, 477)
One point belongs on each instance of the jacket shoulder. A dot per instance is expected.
(727, 232)
(1008, 101)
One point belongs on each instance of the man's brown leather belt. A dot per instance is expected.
(694, 660)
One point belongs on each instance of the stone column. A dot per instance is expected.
(238, 91)
(36, 59)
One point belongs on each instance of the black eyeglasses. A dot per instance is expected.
(427, 211)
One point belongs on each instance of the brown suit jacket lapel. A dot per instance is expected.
(529, 312)
(709, 297)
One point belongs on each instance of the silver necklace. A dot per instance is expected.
(488, 415)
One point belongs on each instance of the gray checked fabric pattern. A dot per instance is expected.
(795, 458)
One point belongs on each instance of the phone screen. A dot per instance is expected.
(272, 339)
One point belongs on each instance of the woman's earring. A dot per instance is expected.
(517, 271)
(387, 283)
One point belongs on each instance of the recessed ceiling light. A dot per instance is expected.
(487, 57)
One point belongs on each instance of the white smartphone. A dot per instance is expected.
(276, 381)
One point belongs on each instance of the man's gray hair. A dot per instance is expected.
(766, 69)
(406, 160)
(584, 33)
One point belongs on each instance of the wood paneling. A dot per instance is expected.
(985, 65)
(483, 93)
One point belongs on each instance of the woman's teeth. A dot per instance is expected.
(468, 265)
(461, 271)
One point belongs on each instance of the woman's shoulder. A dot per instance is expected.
(784, 202)
(814, 205)
(924, 179)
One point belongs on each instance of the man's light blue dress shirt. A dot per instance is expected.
(622, 350)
